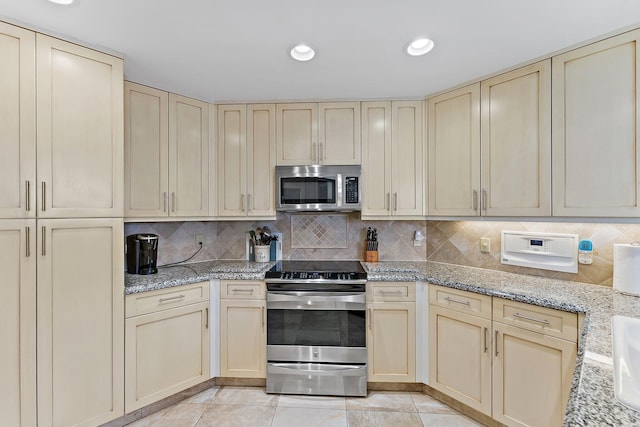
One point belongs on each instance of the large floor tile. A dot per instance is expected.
(236, 416)
(383, 419)
(205, 396)
(428, 404)
(244, 396)
(309, 417)
(320, 402)
(447, 420)
(382, 401)
(182, 415)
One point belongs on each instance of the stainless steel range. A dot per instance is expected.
(316, 328)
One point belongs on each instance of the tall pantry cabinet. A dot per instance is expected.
(61, 223)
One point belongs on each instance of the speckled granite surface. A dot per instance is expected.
(197, 272)
(591, 403)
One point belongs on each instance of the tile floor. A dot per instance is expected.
(251, 407)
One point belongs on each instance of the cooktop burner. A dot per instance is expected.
(317, 270)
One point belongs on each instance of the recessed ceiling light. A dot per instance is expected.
(302, 52)
(62, 2)
(419, 46)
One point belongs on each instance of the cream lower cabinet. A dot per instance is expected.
(18, 323)
(391, 331)
(246, 160)
(167, 343)
(516, 368)
(243, 337)
(392, 159)
(80, 321)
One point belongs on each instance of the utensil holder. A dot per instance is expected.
(262, 253)
(371, 256)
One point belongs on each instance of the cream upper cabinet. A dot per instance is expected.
(146, 145)
(243, 336)
(246, 160)
(17, 123)
(454, 152)
(166, 154)
(188, 156)
(391, 331)
(167, 343)
(392, 164)
(516, 142)
(313, 134)
(80, 321)
(596, 157)
(18, 322)
(80, 131)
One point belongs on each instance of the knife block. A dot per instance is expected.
(371, 256)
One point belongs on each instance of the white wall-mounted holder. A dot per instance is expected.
(546, 251)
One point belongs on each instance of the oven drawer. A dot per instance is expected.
(317, 379)
(242, 289)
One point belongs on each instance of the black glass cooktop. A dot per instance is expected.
(317, 270)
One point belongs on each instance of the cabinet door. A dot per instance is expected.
(188, 156)
(232, 160)
(454, 152)
(460, 358)
(516, 142)
(17, 122)
(376, 158)
(297, 134)
(261, 159)
(339, 133)
(166, 352)
(596, 99)
(80, 321)
(407, 158)
(18, 323)
(532, 376)
(146, 151)
(243, 340)
(391, 341)
(80, 131)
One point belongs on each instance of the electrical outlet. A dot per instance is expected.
(485, 244)
(199, 239)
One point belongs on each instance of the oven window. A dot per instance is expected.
(302, 191)
(337, 328)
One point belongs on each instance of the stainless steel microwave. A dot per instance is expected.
(318, 188)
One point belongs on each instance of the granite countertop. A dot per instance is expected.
(592, 401)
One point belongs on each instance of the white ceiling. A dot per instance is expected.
(237, 49)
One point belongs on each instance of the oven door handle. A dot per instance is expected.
(316, 301)
(324, 369)
(318, 296)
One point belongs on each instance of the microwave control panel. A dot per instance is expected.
(351, 189)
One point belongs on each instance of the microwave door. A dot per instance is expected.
(307, 191)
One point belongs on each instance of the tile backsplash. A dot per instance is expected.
(316, 236)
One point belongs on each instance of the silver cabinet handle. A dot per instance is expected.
(467, 303)
(320, 156)
(164, 201)
(396, 292)
(484, 199)
(395, 201)
(314, 152)
(206, 317)
(388, 201)
(369, 319)
(242, 198)
(249, 202)
(44, 189)
(497, 353)
(485, 339)
(236, 290)
(44, 242)
(475, 200)
(262, 311)
(169, 299)
(520, 316)
(27, 233)
(173, 201)
(28, 191)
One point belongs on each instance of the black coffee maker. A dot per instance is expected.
(142, 253)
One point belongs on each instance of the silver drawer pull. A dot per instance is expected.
(396, 292)
(520, 316)
(236, 290)
(168, 299)
(467, 303)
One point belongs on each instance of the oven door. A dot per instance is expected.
(321, 327)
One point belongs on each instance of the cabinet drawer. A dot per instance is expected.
(242, 289)
(391, 291)
(548, 321)
(163, 299)
(462, 301)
